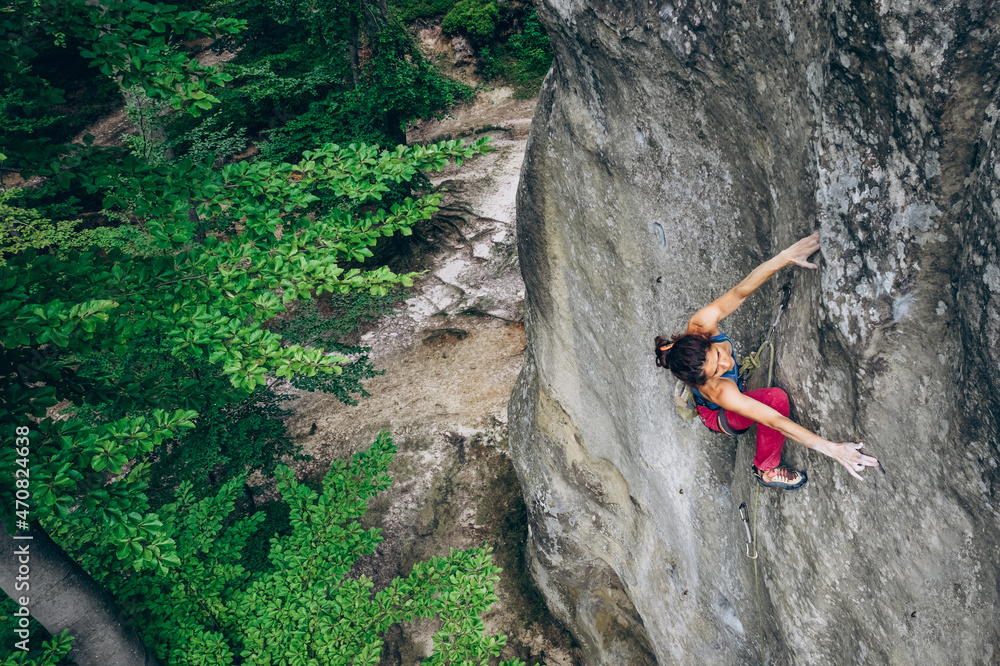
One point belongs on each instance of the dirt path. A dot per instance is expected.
(492, 108)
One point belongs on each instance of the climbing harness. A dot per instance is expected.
(724, 426)
(684, 398)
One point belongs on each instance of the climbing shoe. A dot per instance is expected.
(784, 478)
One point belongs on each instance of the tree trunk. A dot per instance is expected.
(376, 16)
(61, 596)
(355, 41)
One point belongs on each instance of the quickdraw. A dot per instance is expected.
(746, 524)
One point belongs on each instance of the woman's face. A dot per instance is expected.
(718, 360)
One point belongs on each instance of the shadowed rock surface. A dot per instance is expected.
(674, 147)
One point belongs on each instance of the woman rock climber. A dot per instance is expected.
(703, 358)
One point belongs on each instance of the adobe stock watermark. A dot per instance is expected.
(23, 511)
(22, 551)
(27, 372)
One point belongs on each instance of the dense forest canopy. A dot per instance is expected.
(145, 284)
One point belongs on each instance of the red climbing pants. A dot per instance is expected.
(770, 442)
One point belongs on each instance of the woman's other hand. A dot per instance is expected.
(848, 455)
(799, 252)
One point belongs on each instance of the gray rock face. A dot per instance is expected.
(675, 146)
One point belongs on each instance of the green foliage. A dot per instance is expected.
(197, 300)
(410, 10)
(231, 273)
(346, 312)
(129, 239)
(80, 470)
(48, 200)
(54, 651)
(235, 433)
(209, 609)
(171, 603)
(276, 523)
(524, 58)
(229, 439)
(341, 117)
(215, 265)
(397, 88)
(146, 115)
(345, 385)
(152, 331)
(297, 85)
(60, 221)
(208, 145)
(26, 111)
(132, 41)
(26, 228)
(403, 83)
(531, 51)
(476, 18)
(266, 93)
(22, 228)
(292, 27)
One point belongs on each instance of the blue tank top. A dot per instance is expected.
(731, 374)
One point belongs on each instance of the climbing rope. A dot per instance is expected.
(750, 364)
(752, 361)
(752, 543)
(756, 580)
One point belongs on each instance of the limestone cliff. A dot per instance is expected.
(674, 147)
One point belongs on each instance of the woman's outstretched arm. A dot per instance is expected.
(706, 320)
(846, 453)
